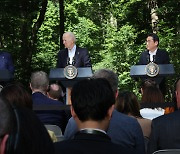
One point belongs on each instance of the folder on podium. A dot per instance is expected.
(57, 74)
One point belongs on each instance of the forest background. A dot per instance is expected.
(113, 31)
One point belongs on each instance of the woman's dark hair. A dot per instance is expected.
(152, 94)
(17, 94)
(127, 103)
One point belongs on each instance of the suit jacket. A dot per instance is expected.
(81, 58)
(161, 57)
(165, 132)
(84, 143)
(50, 117)
(123, 130)
(6, 61)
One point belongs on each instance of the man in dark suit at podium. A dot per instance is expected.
(153, 53)
(92, 106)
(72, 54)
(156, 55)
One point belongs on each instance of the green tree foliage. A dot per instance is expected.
(114, 31)
(48, 40)
(18, 32)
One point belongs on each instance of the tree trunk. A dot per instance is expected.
(154, 17)
(29, 39)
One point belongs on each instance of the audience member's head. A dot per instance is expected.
(17, 94)
(6, 118)
(110, 76)
(127, 103)
(55, 91)
(21, 131)
(148, 83)
(178, 93)
(39, 82)
(92, 101)
(152, 94)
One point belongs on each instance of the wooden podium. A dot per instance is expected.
(57, 74)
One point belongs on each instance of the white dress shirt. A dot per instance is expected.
(152, 54)
(71, 54)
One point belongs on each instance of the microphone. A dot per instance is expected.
(73, 61)
(154, 58)
(68, 60)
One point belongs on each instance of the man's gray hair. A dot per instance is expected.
(39, 80)
(108, 75)
(71, 35)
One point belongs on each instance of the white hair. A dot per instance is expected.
(72, 36)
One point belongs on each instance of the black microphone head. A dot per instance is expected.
(68, 60)
(154, 58)
(73, 61)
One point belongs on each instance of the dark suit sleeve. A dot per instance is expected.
(152, 145)
(166, 59)
(140, 59)
(58, 65)
(86, 59)
(61, 59)
(144, 58)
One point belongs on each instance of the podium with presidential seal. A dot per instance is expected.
(152, 70)
(68, 76)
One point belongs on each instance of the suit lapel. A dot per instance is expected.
(66, 53)
(157, 57)
(76, 55)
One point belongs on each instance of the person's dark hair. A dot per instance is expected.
(127, 103)
(177, 83)
(148, 83)
(17, 94)
(55, 91)
(176, 86)
(154, 36)
(6, 117)
(29, 135)
(91, 99)
(26, 133)
(152, 95)
(108, 75)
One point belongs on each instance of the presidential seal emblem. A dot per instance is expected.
(152, 69)
(70, 72)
